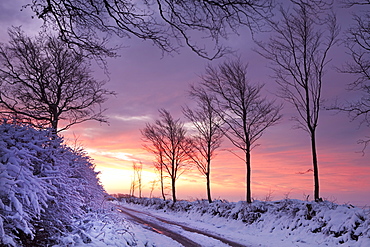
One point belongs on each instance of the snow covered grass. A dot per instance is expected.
(99, 228)
(290, 222)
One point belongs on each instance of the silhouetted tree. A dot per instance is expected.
(43, 82)
(244, 111)
(358, 44)
(159, 166)
(153, 185)
(207, 139)
(164, 22)
(167, 140)
(137, 179)
(298, 51)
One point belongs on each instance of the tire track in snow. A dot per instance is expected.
(175, 236)
(159, 229)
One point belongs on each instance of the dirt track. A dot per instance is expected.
(163, 226)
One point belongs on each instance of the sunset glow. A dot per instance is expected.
(280, 167)
(146, 80)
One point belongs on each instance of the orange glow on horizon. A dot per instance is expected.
(277, 172)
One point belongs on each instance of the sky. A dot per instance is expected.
(146, 80)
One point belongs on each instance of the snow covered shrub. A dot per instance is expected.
(44, 186)
(325, 221)
(103, 229)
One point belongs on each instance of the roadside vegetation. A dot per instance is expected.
(325, 223)
(50, 194)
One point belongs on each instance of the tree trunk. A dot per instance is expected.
(173, 189)
(315, 167)
(248, 176)
(208, 187)
(139, 189)
(162, 185)
(54, 117)
(132, 188)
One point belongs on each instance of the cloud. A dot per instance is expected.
(132, 118)
(117, 155)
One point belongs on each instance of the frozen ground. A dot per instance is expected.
(281, 223)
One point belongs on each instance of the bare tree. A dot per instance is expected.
(137, 179)
(167, 141)
(44, 82)
(209, 133)
(245, 112)
(164, 22)
(299, 51)
(159, 166)
(133, 185)
(139, 170)
(153, 185)
(159, 156)
(358, 44)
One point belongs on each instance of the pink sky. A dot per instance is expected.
(145, 82)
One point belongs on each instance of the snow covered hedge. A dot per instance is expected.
(326, 221)
(45, 187)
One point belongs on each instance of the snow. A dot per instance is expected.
(280, 223)
(45, 186)
(109, 228)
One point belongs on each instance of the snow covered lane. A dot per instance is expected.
(184, 235)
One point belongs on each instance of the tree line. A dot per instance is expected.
(46, 79)
(298, 50)
(227, 105)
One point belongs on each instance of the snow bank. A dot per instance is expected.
(318, 223)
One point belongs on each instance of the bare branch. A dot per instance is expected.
(167, 141)
(245, 113)
(357, 42)
(299, 53)
(167, 23)
(209, 133)
(44, 82)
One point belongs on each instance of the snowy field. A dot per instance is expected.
(280, 223)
